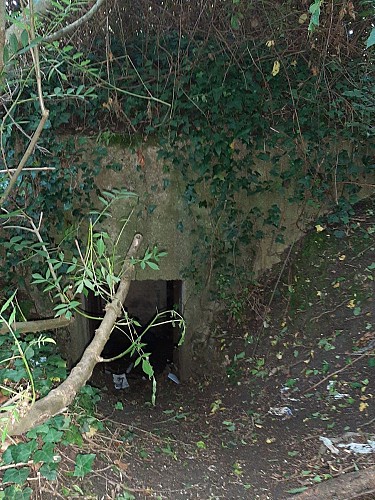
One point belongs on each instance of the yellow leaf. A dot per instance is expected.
(270, 440)
(342, 257)
(319, 228)
(232, 145)
(319, 293)
(351, 304)
(91, 432)
(294, 63)
(336, 285)
(363, 406)
(270, 43)
(276, 68)
(302, 18)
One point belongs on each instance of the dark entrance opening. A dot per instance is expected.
(144, 301)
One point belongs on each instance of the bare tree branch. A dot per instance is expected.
(42, 7)
(45, 113)
(76, 24)
(61, 397)
(2, 33)
(40, 325)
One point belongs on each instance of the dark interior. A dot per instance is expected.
(144, 301)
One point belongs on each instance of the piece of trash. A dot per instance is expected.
(129, 368)
(120, 381)
(361, 448)
(173, 377)
(285, 394)
(334, 394)
(281, 411)
(328, 443)
(349, 445)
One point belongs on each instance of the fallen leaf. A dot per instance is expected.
(342, 257)
(270, 43)
(319, 228)
(140, 158)
(276, 68)
(351, 304)
(91, 432)
(121, 465)
(363, 406)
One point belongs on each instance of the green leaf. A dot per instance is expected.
(52, 436)
(153, 265)
(7, 303)
(17, 476)
(19, 452)
(294, 491)
(15, 493)
(49, 471)
(73, 435)
(46, 454)
(83, 464)
(147, 368)
(371, 39)
(100, 245)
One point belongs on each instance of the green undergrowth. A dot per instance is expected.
(318, 300)
(42, 450)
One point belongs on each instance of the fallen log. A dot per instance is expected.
(350, 486)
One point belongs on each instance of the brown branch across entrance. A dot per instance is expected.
(62, 396)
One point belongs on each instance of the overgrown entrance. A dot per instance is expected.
(145, 300)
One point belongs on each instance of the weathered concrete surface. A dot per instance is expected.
(160, 215)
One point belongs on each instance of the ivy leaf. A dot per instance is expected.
(17, 476)
(19, 452)
(52, 436)
(49, 471)
(15, 493)
(84, 464)
(46, 454)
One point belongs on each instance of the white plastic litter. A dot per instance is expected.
(281, 411)
(346, 441)
(328, 443)
(361, 448)
(120, 381)
(335, 394)
(173, 377)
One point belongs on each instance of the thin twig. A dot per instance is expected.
(28, 169)
(330, 311)
(334, 373)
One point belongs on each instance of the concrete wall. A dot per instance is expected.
(160, 215)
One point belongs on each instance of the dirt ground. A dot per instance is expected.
(297, 366)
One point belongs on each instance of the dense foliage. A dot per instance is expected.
(236, 111)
